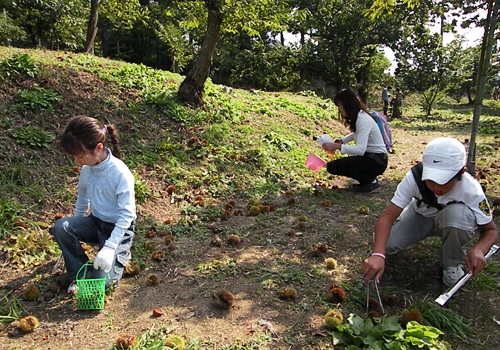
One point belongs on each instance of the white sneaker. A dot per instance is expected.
(452, 274)
(72, 288)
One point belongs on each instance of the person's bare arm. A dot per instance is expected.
(373, 266)
(474, 259)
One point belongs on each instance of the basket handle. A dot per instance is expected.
(84, 267)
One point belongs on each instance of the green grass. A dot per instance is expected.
(10, 308)
(488, 279)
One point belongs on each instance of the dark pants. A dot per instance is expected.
(364, 169)
(69, 232)
(386, 106)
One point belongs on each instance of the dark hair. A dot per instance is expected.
(457, 176)
(352, 104)
(82, 134)
(389, 87)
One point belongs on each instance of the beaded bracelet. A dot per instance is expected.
(378, 254)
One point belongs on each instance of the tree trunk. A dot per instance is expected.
(469, 96)
(191, 89)
(484, 62)
(363, 94)
(92, 26)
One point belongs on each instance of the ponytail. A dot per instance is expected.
(113, 136)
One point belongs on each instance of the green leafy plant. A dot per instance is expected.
(10, 30)
(142, 190)
(20, 64)
(140, 76)
(83, 60)
(8, 213)
(277, 141)
(165, 100)
(33, 137)
(37, 100)
(387, 333)
(210, 213)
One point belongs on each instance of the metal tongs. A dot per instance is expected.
(443, 298)
(368, 295)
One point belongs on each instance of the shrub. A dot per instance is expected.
(33, 137)
(20, 64)
(37, 100)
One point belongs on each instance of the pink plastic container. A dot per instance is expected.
(314, 162)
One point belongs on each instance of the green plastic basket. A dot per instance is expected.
(89, 292)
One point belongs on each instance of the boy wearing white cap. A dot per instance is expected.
(447, 202)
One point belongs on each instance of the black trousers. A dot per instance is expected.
(386, 106)
(364, 168)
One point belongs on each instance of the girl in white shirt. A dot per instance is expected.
(105, 210)
(368, 156)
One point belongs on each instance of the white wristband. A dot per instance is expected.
(379, 254)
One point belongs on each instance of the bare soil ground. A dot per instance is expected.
(272, 250)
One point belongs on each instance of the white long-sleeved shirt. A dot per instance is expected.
(367, 137)
(107, 189)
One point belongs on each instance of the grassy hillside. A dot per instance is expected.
(252, 142)
(198, 175)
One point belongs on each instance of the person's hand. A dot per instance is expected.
(331, 146)
(104, 259)
(373, 267)
(475, 260)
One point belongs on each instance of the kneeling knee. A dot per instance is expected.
(60, 227)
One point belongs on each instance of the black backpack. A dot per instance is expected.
(428, 197)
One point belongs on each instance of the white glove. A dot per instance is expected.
(104, 259)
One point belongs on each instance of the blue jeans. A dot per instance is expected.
(69, 232)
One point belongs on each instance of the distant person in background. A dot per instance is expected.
(368, 156)
(386, 94)
(397, 102)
